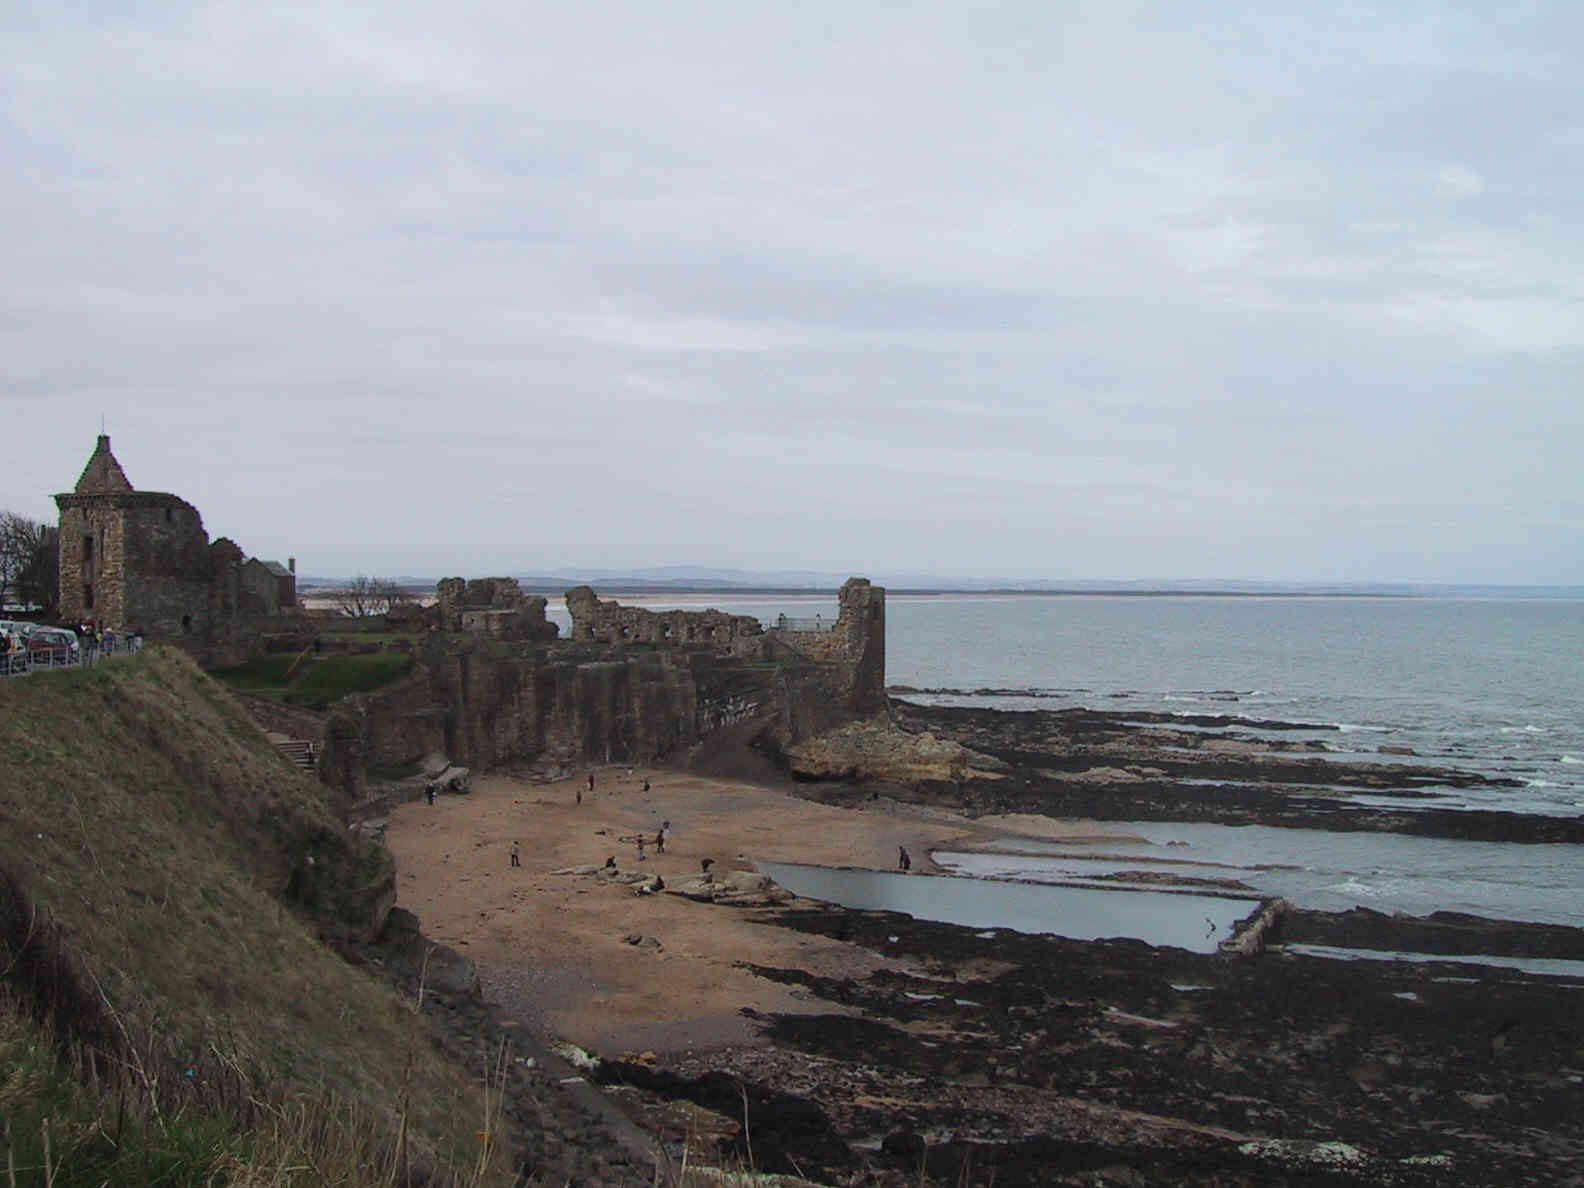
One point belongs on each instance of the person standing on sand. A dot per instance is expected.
(516, 855)
(641, 857)
(904, 863)
(660, 840)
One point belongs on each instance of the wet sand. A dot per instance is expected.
(553, 949)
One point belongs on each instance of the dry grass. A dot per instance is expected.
(72, 1118)
(150, 838)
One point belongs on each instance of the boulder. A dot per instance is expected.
(442, 968)
(448, 972)
(879, 751)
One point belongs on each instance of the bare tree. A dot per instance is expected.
(29, 561)
(365, 596)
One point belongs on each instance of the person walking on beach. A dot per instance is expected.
(429, 792)
(641, 857)
(660, 839)
(904, 863)
(516, 855)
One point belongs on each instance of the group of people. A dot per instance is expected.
(105, 641)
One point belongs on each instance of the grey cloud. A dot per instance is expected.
(1091, 290)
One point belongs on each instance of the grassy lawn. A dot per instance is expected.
(316, 681)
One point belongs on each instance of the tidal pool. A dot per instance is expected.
(1314, 868)
(1194, 922)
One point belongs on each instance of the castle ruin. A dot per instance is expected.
(496, 686)
(492, 606)
(142, 561)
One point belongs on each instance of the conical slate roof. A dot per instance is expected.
(103, 474)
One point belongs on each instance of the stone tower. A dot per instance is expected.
(133, 560)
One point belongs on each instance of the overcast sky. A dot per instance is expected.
(1061, 290)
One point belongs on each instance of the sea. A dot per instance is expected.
(1487, 685)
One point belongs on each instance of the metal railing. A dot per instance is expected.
(817, 623)
(26, 662)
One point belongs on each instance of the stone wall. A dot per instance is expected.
(595, 620)
(143, 553)
(836, 676)
(142, 561)
(486, 702)
(261, 589)
(492, 606)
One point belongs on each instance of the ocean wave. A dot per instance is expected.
(1539, 784)
(1570, 759)
(1354, 887)
(1354, 727)
(1530, 729)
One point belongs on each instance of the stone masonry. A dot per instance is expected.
(142, 561)
(492, 606)
(599, 621)
(659, 689)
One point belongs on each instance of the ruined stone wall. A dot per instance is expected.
(147, 565)
(165, 564)
(486, 702)
(141, 561)
(90, 574)
(492, 606)
(831, 677)
(597, 620)
(566, 708)
(261, 589)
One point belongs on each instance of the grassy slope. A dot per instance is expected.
(147, 815)
(316, 681)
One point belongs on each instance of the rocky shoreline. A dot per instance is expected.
(1137, 766)
(1030, 1060)
(958, 1056)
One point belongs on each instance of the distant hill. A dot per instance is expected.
(700, 579)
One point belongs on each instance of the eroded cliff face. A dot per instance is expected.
(488, 705)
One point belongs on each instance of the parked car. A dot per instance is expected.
(52, 645)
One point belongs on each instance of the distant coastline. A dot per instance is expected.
(615, 585)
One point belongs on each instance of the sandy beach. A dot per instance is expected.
(554, 948)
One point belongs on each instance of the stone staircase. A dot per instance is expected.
(299, 751)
